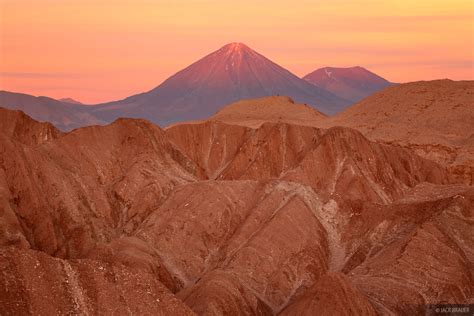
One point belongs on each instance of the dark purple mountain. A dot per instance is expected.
(231, 73)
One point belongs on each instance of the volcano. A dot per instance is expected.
(354, 83)
(232, 73)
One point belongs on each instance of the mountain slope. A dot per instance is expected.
(70, 100)
(276, 219)
(353, 83)
(229, 74)
(63, 115)
(86, 178)
(20, 127)
(330, 161)
(42, 285)
(434, 118)
(254, 112)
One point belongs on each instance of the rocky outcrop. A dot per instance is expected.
(91, 185)
(235, 152)
(215, 218)
(275, 109)
(34, 283)
(331, 161)
(19, 127)
(433, 118)
(333, 294)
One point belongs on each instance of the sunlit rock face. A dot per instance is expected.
(226, 217)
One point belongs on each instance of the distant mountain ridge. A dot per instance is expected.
(354, 83)
(65, 116)
(232, 73)
(70, 100)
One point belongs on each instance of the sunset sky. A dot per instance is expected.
(97, 51)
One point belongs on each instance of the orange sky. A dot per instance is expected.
(97, 51)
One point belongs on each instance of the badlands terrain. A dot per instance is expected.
(269, 207)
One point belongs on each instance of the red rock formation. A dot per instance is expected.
(17, 126)
(227, 219)
(333, 294)
(433, 118)
(88, 186)
(235, 152)
(35, 283)
(332, 161)
(345, 162)
(276, 109)
(421, 253)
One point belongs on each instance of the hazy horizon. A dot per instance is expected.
(102, 52)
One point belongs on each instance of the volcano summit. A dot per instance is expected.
(232, 73)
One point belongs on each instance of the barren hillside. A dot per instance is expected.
(216, 218)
